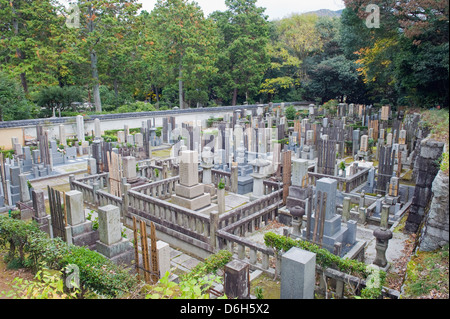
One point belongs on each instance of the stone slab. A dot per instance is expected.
(193, 203)
(189, 191)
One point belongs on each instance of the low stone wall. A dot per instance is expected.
(427, 167)
(435, 233)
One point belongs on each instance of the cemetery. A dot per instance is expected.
(315, 202)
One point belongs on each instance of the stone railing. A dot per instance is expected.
(248, 209)
(217, 175)
(346, 184)
(105, 198)
(271, 186)
(232, 238)
(85, 189)
(179, 222)
(102, 179)
(151, 172)
(337, 281)
(162, 189)
(89, 186)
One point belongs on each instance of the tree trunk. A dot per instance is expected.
(116, 88)
(180, 88)
(96, 87)
(155, 90)
(233, 103)
(20, 55)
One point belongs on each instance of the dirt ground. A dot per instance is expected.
(8, 275)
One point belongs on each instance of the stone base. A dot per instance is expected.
(121, 252)
(192, 203)
(245, 185)
(210, 188)
(84, 235)
(334, 232)
(189, 191)
(43, 223)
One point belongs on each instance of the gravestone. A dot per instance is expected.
(111, 243)
(333, 232)
(364, 143)
(236, 280)
(81, 229)
(40, 215)
(299, 171)
(298, 273)
(80, 128)
(62, 135)
(97, 130)
(189, 193)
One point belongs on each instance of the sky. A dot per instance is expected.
(275, 9)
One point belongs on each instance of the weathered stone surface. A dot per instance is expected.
(236, 280)
(436, 230)
(298, 268)
(75, 210)
(189, 192)
(109, 224)
(193, 203)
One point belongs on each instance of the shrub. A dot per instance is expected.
(96, 271)
(327, 260)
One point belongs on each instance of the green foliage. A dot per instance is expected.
(59, 97)
(97, 273)
(242, 55)
(259, 292)
(326, 259)
(444, 163)
(290, 112)
(46, 285)
(13, 104)
(195, 284)
(221, 184)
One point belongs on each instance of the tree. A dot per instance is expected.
(406, 59)
(333, 78)
(300, 35)
(61, 98)
(283, 73)
(13, 104)
(243, 56)
(26, 28)
(185, 42)
(101, 23)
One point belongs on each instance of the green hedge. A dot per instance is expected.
(326, 259)
(33, 248)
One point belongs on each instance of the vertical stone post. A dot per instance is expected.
(382, 235)
(24, 190)
(40, 215)
(125, 200)
(346, 209)
(298, 269)
(74, 208)
(236, 280)
(213, 226)
(163, 251)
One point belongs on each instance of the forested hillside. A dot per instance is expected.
(112, 54)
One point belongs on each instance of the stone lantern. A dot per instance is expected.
(297, 213)
(258, 177)
(382, 235)
(207, 164)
